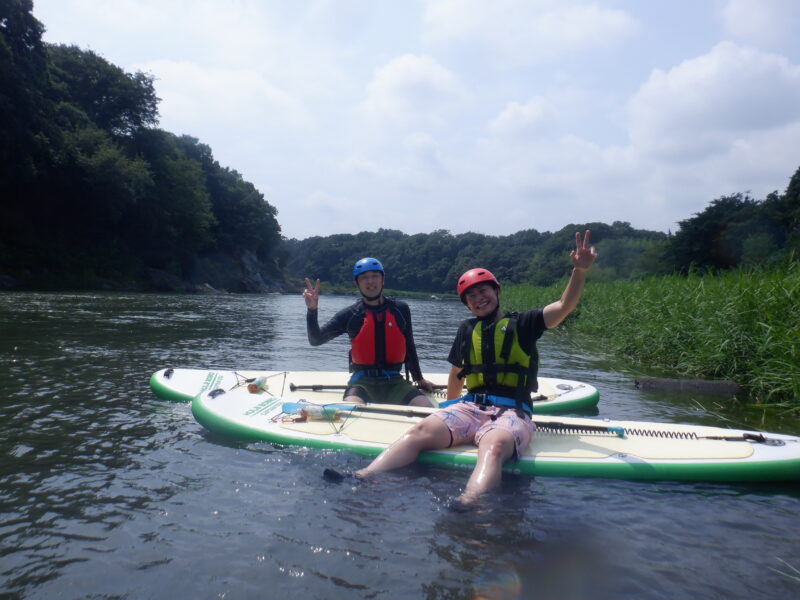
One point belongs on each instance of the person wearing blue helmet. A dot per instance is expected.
(381, 340)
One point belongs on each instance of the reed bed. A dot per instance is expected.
(741, 325)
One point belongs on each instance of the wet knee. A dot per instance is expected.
(421, 401)
(500, 449)
(422, 433)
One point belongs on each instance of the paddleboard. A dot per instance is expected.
(555, 396)
(561, 446)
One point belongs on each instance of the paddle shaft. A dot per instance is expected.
(411, 412)
(617, 430)
(539, 424)
(319, 387)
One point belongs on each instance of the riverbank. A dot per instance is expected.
(741, 325)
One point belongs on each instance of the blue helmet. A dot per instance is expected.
(367, 264)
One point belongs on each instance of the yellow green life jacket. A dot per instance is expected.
(494, 362)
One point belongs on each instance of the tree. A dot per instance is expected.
(28, 139)
(23, 83)
(244, 220)
(731, 230)
(115, 101)
(173, 222)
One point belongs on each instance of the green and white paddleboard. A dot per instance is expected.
(561, 446)
(555, 396)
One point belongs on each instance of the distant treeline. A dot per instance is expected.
(732, 231)
(94, 195)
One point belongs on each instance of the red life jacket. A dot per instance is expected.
(380, 343)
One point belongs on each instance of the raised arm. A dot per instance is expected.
(315, 335)
(582, 259)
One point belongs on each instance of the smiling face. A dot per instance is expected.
(370, 284)
(482, 299)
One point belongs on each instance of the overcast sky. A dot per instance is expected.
(469, 115)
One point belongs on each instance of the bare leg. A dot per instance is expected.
(430, 434)
(495, 448)
(354, 400)
(421, 400)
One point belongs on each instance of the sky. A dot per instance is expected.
(468, 115)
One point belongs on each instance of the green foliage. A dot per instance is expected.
(786, 210)
(172, 223)
(115, 101)
(742, 325)
(243, 218)
(23, 83)
(90, 191)
(732, 231)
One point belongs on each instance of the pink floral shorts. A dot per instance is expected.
(468, 423)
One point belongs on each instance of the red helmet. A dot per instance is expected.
(473, 277)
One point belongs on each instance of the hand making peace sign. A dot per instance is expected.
(311, 294)
(583, 256)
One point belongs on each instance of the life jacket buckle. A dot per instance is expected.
(482, 400)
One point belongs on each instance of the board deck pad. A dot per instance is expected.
(560, 446)
(555, 396)
(385, 429)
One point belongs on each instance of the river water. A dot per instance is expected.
(109, 492)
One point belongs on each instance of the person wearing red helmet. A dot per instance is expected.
(381, 340)
(496, 355)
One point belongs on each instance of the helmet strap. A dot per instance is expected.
(490, 318)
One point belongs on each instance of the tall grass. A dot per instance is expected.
(739, 325)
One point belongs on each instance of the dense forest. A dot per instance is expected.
(95, 196)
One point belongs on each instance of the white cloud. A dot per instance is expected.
(192, 94)
(413, 164)
(533, 118)
(426, 154)
(412, 88)
(526, 31)
(703, 105)
(763, 22)
(527, 113)
(725, 122)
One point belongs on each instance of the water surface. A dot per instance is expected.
(109, 492)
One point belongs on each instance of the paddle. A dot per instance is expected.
(328, 412)
(319, 387)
